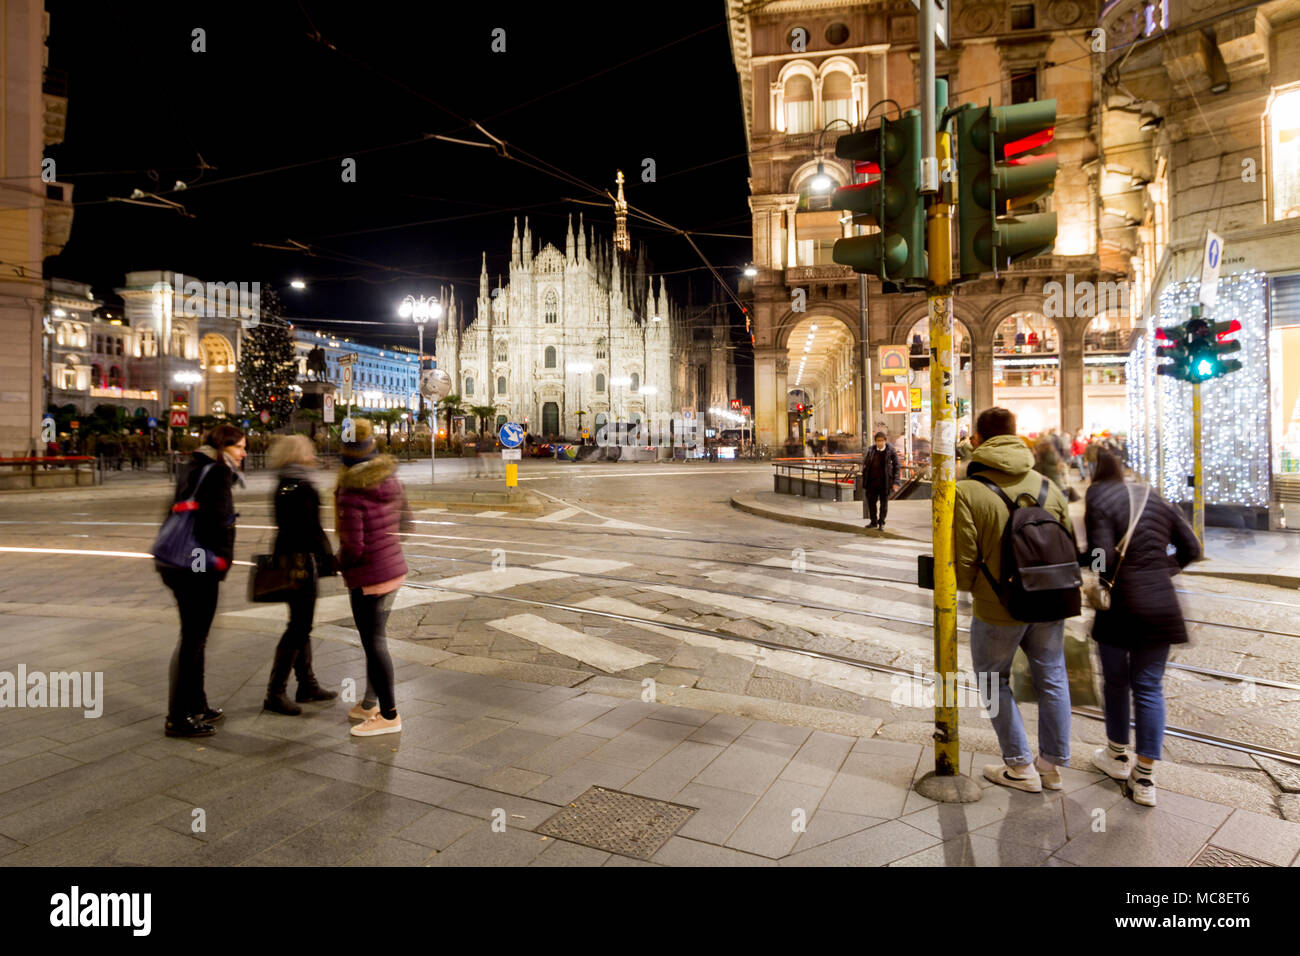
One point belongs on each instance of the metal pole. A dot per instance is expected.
(929, 161)
(1198, 489)
(945, 783)
(864, 382)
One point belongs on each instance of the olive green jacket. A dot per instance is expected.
(981, 515)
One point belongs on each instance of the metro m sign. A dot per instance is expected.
(894, 398)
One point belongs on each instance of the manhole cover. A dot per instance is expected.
(1217, 856)
(618, 822)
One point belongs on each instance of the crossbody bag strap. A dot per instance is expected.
(1135, 514)
(189, 503)
(1011, 507)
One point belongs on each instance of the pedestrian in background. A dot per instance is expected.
(371, 511)
(208, 477)
(297, 519)
(1000, 473)
(1133, 636)
(879, 478)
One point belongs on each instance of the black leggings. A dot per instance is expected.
(370, 612)
(196, 598)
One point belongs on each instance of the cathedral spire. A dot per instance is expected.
(514, 243)
(621, 239)
(568, 241)
(582, 241)
(528, 243)
(483, 280)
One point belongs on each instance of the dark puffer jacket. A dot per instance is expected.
(297, 519)
(214, 522)
(1144, 608)
(371, 509)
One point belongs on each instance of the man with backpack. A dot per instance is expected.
(1015, 552)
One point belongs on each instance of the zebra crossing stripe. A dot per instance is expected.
(493, 581)
(560, 515)
(596, 651)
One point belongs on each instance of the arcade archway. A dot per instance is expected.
(1027, 371)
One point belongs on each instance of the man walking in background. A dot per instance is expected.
(879, 478)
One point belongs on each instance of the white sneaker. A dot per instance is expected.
(1115, 766)
(376, 725)
(1004, 776)
(1142, 786)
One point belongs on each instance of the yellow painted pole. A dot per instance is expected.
(1198, 491)
(946, 782)
(512, 475)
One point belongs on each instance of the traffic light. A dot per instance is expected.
(1196, 349)
(892, 201)
(996, 170)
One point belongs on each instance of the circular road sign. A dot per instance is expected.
(511, 434)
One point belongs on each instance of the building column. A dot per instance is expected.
(1072, 383)
(981, 376)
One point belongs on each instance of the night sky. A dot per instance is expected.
(586, 94)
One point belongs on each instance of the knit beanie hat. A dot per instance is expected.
(362, 448)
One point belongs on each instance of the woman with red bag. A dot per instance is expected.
(205, 485)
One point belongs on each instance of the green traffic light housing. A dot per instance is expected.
(1197, 348)
(1000, 166)
(891, 202)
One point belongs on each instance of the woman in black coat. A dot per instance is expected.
(195, 587)
(299, 531)
(1144, 619)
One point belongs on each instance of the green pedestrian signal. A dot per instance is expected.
(1197, 349)
(892, 201)
(998, 168)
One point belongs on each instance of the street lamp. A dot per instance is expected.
(420, 311)
(577, 368)
(622, 381)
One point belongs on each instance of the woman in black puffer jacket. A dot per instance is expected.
(297, 519)
(1144, 618)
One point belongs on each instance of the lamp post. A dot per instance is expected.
(648, 392)
(621, 382)
(578, 368)
(422, 310)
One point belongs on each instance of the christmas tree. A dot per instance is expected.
(267, 366)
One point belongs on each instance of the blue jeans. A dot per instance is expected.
(1143, 673)
(992, 648)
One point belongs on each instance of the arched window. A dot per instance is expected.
(469, 386)
(1026, 371)
(837, 98)
(114, 377)
(218, 407)
(636, 382)
(501, 384)
(551, 309)
(81, 336)
(503, 354)
(798, 104)
(550, 356)
(600, 381)
(600, 348)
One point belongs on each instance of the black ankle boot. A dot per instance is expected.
(188, 727)
(309, 692)
(281, 704)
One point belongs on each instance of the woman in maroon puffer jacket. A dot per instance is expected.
(371, 510)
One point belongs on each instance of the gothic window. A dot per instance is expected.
(501, 384)
(503, 354)
(636, 382)
(469, 386)
(550, 356)
(600, 348)
(600, 381)
(551, 309)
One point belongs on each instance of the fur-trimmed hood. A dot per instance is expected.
(367, 475)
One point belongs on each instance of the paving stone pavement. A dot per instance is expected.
(484, 760)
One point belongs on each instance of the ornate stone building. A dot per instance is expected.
(809, 71)
(584, 329)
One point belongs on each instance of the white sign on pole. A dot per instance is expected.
(1210, 262)
(347, 384)
(512, 454)
(328, 411)
(940, 19)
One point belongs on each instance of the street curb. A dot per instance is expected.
(752, 507)
(522, 500)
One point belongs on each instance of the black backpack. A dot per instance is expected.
(1040, 565)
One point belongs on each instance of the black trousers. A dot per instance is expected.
(876, 493)
(294, 650)
(196, 599)
(370, 612)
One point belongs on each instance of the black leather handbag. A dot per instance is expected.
(278, 577)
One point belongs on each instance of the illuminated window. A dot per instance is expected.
(837, 99)
(552, 310)
(1284, 119)
(798, 104)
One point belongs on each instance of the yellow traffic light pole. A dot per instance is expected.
(945, 783)
(1198, 489)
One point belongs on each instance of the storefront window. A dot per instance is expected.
(1284, 119)
(1026, 370)
(1105, 353)
(918, 340)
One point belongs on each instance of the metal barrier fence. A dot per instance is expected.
(831, 476)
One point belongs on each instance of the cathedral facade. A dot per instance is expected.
(574, 340)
